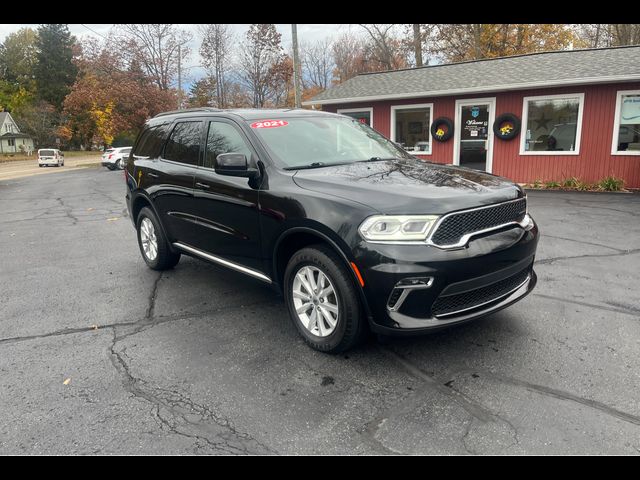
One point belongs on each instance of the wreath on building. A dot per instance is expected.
(442, 129)
(506, 126)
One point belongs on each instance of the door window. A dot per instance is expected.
(184, 143)
(224, 138)
(474, 136)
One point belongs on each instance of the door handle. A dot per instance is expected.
(203, 185)
(153, 175)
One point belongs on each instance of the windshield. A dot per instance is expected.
(323, 140)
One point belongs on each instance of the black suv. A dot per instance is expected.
(353, 230)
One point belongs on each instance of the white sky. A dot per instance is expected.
(306, 33)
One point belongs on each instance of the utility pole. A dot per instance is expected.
(296, 65)
(179, 79)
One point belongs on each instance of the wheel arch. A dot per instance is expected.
(141, 200)
(296, 238)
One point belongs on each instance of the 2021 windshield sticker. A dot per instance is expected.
(269, 124)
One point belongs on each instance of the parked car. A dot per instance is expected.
(115, 158)
(50, 156)
(354, 231)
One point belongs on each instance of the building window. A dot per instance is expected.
(410, 126)
(364, 115)
(552, 123)
(626, 125)
(12, 142)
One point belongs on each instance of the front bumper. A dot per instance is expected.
(447, 287)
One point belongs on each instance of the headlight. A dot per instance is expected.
(397, 228)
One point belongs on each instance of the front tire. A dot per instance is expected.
(322, 300)
(119, 164)
(153, 244)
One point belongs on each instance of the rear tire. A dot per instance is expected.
(111, 167)
(153, 244)
(349, 322)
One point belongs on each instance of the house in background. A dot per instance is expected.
(11, 139)
(545, 116)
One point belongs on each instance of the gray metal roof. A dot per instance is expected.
(539, 70)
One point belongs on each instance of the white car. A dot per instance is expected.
(50, 156)
(116, 157)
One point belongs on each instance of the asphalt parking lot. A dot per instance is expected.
(204, 360)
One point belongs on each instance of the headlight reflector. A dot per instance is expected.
(397, 228)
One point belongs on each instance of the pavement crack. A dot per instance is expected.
(621, 253)
(625, 311)
(66, 331)
(559, 394)
(185, 417)
(583, 242)
(67, 211)
(152, 298)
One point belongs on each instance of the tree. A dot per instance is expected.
(317, 65)
(202, 94)
(281, 82)
(260, 51)
(110, 98)
(348, 57)
(54, 70)
(595, 35)
(461, 42)
(40, 120)
(18, 58)
(155, 48)
(384, 47)
(215, 51)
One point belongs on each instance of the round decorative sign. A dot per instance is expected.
(442, 129)
(506, 126)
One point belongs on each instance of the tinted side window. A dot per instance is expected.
(224, 138)
(150, 143)
(184, 143)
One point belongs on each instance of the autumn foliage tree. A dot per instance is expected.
(107, 99)
(460, 42)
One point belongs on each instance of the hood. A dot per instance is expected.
(409, 186)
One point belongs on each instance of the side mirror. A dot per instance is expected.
(234, 165)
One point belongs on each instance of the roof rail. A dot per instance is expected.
(188, 110)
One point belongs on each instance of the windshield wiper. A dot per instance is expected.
(311, 165)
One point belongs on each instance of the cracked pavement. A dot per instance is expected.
(202, 360)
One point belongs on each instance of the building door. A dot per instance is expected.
(473, 147)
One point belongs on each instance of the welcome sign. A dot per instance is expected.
(630, 110)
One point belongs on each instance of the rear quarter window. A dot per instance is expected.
(151, 140)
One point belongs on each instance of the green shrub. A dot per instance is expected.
(611, 184)
(551, 184)
(584, 186)
(571, 182)
(537, 184)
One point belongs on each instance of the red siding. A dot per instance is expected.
(592, 164)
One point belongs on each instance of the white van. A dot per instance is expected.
(50, 156)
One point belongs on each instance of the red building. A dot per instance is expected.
(572, 113)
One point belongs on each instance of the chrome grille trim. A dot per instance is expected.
(525, 224)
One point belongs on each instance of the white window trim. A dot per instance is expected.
(525, 119)
(466, 102)
(616, 123)
(395, 108)
(356, 110)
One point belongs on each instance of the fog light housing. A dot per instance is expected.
(403, 288)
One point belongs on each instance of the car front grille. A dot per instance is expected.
(450, 304)
(453, 227)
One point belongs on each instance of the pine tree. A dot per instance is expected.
(55, 71)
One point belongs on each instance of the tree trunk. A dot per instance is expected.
(417, 44)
